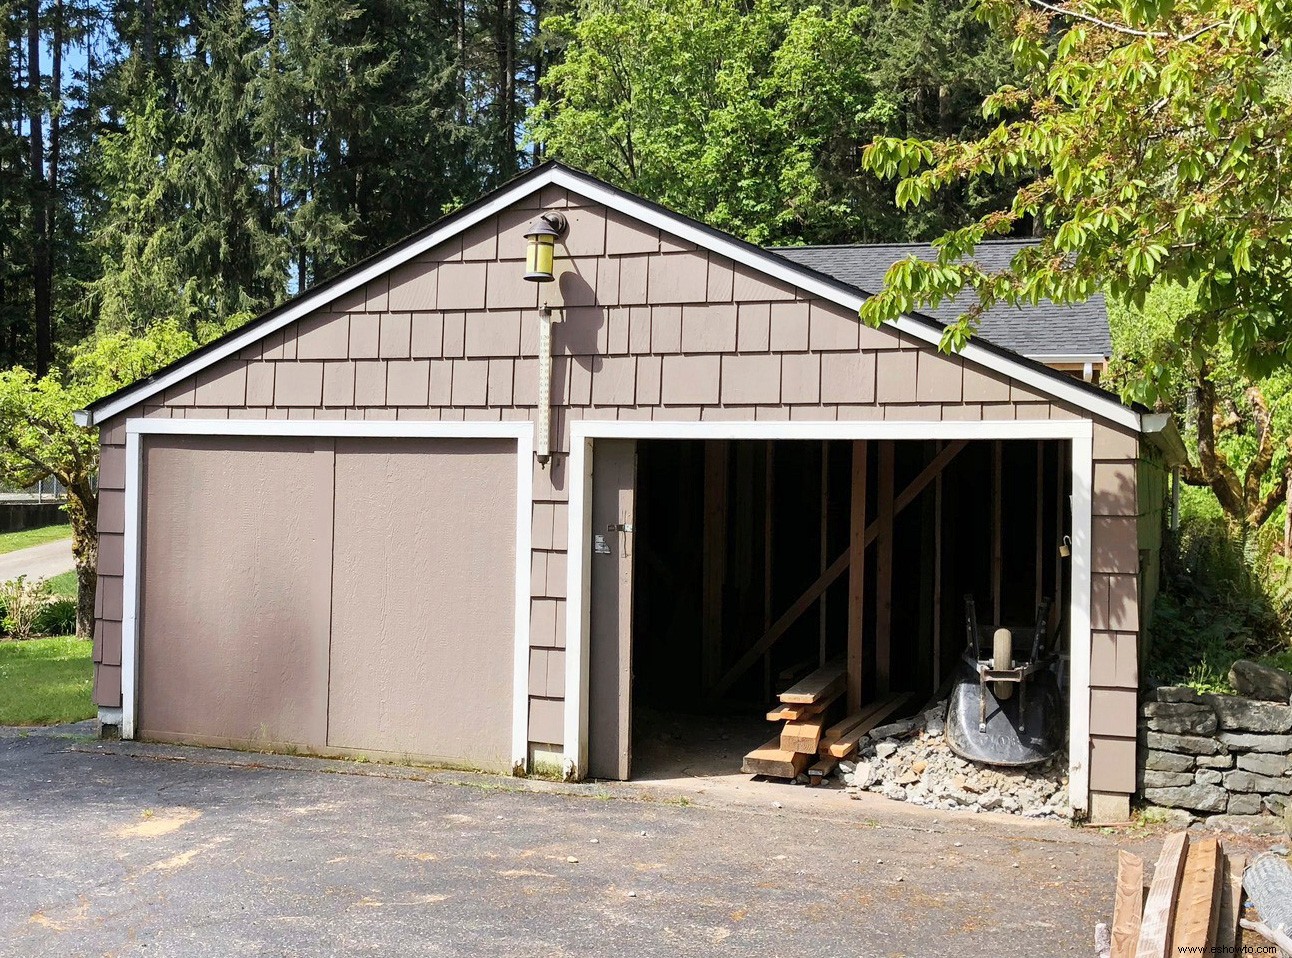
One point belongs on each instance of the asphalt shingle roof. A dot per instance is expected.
(1079, 329)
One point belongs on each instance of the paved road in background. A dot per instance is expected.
(129, 849)
(38, 562)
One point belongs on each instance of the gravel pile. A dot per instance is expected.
(910, 761)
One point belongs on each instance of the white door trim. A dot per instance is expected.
(521, 432)
(583, 436)
(1079, 626)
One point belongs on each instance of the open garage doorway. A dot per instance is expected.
(722, 573)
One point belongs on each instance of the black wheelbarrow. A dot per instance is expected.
(1006, 707)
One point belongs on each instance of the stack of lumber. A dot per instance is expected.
(805, 743)
(1192, 906)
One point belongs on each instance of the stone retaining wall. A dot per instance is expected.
(1214, 754)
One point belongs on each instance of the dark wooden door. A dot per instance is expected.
(614, 477)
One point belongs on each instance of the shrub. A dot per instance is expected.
(57, 616)
(23, 601)
(1219, 601)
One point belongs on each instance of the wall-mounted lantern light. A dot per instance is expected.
(541, 250)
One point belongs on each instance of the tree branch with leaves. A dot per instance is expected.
(39, 440)
(1154, 134)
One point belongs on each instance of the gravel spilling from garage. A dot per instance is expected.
(910, 761)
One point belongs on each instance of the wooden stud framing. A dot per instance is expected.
(769, 489)
(1040, 520)
(716, 454)
(996, 532)
(825, 544)
(937, 581)
(844, 561)
(1060, 458)
(884, 573)
(856, 573)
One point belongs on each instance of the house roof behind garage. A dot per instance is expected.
(1045, 331)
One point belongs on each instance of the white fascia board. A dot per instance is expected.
(831, 429)
(764, 262)
(1068, 359)
(340, 428)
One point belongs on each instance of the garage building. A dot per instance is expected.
(430, 509)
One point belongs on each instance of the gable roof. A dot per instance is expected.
(1047, 331)
(1003, 361)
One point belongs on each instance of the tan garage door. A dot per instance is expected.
(353, 594)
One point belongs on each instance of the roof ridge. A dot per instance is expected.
(912, 244)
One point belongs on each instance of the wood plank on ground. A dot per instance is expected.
(822, 768)
(1159, 907)
(803, 735)
(845, 725)
(1231, 904)
(1198, 889)
(1128, 906)
(844, 746)
(770, 759)
(817, 687)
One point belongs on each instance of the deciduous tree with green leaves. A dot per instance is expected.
(1155, 134)
(39, 440)
(751, 115)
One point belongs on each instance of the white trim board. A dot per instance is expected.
(583, 436)
(1079, 641)
(521, 432)
(1054, 384)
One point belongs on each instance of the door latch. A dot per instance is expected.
(625, 529)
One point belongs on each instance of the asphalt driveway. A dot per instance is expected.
(123, 849)
(38, 562)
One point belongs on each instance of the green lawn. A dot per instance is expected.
(64, 583)
(13, 541)
(45, 681)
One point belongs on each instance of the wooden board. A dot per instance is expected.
(1218, 900)
(1159, 907)
(1198, 889)
(821, 769)
(845, 744)
(771, 759)
(792, 713)
(785, 713)
(844, 726)
(803, 735)
(857, 573)
(1128, 906)
(1231, 903)
(884, 572)
(882, 708)
(817, 687)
